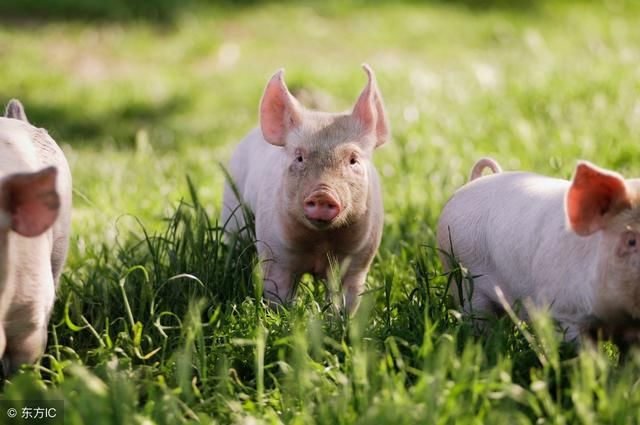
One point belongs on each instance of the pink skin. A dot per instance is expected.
(571, 247)
(35, 205)
(321, 206)
(309, 180)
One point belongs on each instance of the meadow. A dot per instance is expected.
(157, 320)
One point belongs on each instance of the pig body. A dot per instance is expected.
(313, 190)
(561, 245)
(35, 187)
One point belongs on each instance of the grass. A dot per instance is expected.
(157, 320)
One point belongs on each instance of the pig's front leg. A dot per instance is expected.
(3, 342)
(352, 286)
(24, 349)
(278, 282)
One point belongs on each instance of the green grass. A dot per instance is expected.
(158, 320)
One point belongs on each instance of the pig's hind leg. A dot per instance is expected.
(478, 299)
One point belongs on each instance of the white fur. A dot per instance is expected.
(29, 267)
(258, 169)
(509, 228)
(274, 179)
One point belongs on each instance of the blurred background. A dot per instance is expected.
(142, 93)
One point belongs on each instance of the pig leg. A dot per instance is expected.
(3, 342)
(570, 329)
(472, 298)
(232, 214)
(352, 286)
(278, 282)
(26, 329)
(482, 302)
(24, 349)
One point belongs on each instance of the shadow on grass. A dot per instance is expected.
(166, 11)
(94, 10)
(489, 5)
(115, 127)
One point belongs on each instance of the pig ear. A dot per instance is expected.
(369, 109)
(595, 196)
(31, 201)
(279, 110)
(15, 110)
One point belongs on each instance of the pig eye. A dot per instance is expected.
(353, 160)
(298, 160)
(628, 244)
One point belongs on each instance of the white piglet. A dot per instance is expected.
(35, 205)
(570, 246)
(308, 178)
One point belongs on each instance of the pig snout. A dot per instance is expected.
(321, 206)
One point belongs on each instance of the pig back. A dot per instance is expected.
(17, 152)
(25, 148)
(510, 229)
(502, 216)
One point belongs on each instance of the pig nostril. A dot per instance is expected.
(322, 208)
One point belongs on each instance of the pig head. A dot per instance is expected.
(308, 178)
(35, 203)
(603, 206)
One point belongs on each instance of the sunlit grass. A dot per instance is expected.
(158, 319)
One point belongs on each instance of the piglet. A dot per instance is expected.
(308, 178)
(35, 206)
(572, 247)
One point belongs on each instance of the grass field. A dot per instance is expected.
(157, 321)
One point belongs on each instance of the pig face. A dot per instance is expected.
(602, 201)
(326, 175)
(326, 182)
